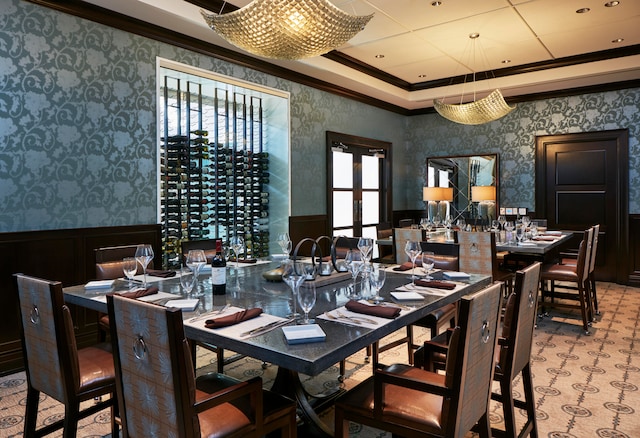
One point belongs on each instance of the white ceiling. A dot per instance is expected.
(423, 43)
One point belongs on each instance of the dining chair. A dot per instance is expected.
(513, 354)
(571, 259)
(411, 402)
(384, 230)
(55, 366)
(400, 238)
(159, 394)
(405, 223)
(577, 276)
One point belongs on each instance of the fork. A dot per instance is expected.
(360, 318)
(338, 318)
(208, 314)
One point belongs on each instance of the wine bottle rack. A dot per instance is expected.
(214, 169)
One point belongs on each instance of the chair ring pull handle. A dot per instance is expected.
(485, 332)
(139, 348)
(35, 315)
(531, 302)
(474, 248)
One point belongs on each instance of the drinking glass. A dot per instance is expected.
(187, 280)
(520, 230)
(354, 265)
(144, 255)
(502, 219)
(196, 259)
(508, 227)
(377, 277)
(428, 262)
(429, 225)
(285, 243)
(526, 220)
(413, 250)
(307, 299)
(237, 243)
(365, 245)
(495, 225)
(423, 223)
(293, 275)
(436, 221)
(130, 268)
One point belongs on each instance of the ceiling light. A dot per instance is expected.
(379, 56)
(506, 61)
(287, 29)
(436, 3)
(477, 112)
(582, 10)
(611, 4)
(617, 40)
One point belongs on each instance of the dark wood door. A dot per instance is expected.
(581, 180)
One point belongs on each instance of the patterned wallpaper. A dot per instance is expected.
(78, 123)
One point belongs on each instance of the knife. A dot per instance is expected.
(265, 328)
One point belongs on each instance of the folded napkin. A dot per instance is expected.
(160, 273)
(436, 284)
(407, 266)
(235, 318)
(137, 293)
(546, 238)
(248, 261)
(381, 311)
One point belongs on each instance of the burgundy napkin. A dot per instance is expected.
(407, 266)
(140, 292)
(436, 284)
(381, 311)
(160, 273)
(235, 318)
(248, 261)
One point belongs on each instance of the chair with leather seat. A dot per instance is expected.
(400, 238)
(410, 402)
(385, 252)
(405, 223)
(591, 280)
(55, 366)
(512, 355)
(159, 394)
(558, 275)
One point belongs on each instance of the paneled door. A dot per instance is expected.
(359, 192)
(581, 180)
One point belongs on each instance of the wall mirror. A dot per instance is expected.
(461, 173)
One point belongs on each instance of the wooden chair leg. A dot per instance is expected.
(530, 407)
(594, 295)
(220, 360)
(71, 418)
(508, 409)
(31, 414)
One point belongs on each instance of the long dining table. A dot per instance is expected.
(247, 288)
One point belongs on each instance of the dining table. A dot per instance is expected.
(339, 337)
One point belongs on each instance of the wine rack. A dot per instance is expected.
(214, 168)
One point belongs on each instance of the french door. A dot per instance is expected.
(359, 181)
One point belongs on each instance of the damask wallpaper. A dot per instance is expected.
(78, 124)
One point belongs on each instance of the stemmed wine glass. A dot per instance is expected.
(285, 243)
(428, 262)
(508, 227)
(502, 219)
(377, 277)
(307, 299)
(130, 268)
(365, 245)
(187, 280)
(196, 259)
(354, 264)
(237, 243)
(413, 250)
(436, 221)
(520, 230)
(144, 255)
(293, 275)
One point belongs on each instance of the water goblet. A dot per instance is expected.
(365, 245)
(502, 219)
(413, 250)
(144, 255)
(428, 262)
(354, 265)
(508, 227)
(293, 275)
(436, 221)
(187, 280)
(285, 243)
(196, 259)
(520, 230)
(129, 268)
(307, 299)
(377, 277)
(237, 244)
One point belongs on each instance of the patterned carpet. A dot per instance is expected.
(585, 386)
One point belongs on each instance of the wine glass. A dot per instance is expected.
(130, 268)
(365, 245)
(412, 249)
(144, 255)
(428, 262)
(508, 227)
(354, 265)
(423, 223)
(436, 221)
(187, 280)
(520, 230)
(285, 243)
(237, 243)
(293, 275)
(196, 259)
(307, 299)
(502, 219)
(377, 277)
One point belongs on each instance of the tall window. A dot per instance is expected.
(220, 141)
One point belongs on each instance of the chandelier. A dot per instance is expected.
(287, 29)
(477, 112)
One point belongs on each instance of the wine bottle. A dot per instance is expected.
(218, 271)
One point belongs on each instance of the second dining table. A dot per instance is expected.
(248, 289)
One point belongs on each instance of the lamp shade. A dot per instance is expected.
(447, 194)
(483, 193)
(431, 193)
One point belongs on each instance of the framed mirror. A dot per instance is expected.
(474, 180)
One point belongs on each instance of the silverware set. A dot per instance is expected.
(355, 319)
(210, 313)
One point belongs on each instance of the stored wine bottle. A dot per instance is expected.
(218, 271)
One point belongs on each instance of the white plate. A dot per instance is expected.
(99, 284)
(299, 334)
(406, 296)
(452, 275)
(188, 304)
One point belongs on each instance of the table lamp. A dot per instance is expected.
(485, 196)
(437, 199)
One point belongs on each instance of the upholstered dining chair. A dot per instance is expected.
(572, 259)
(576, 276)
(400, 238)
(512, 355)
(409, 401)
(159, 394)
(55, 366)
